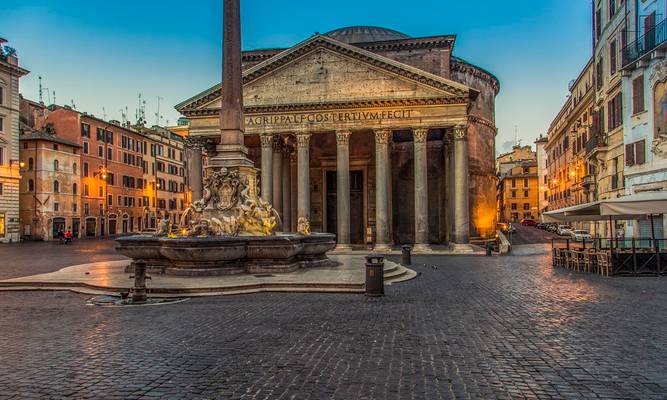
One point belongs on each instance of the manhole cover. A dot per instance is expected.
(118, 301)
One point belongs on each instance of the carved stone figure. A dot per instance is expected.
(303, 226)
(164, 228)
(659, 147)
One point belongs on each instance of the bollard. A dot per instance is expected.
(406, 255)
(139, 294)
(489, 248)
(374, 275)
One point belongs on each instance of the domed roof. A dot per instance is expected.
(363, 34)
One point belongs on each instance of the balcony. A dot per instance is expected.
(645, 44)
(596, 143)
(588, 181)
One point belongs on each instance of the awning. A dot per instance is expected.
(635, 206)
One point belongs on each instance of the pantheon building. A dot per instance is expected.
(370, 134)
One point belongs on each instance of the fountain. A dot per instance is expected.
(230, 230)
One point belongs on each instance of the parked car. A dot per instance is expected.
(564, 230)
(580, 235)
(540, 225)
(528, 222)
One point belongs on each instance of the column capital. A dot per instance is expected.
(420, 135)
(382, 136)
(303, 140)
(459, 132)
(343, 137)
(195, 142)
(267, 140)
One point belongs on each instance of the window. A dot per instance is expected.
(514, 206)
(612, 8)
(614, 112)
(1, 189)
(513, 193)
(86, 209)
(525, 182)
(525, 193)
(55, 147)
(74, 168)
(526, 206)
(110, 200)
(635, 153)
(2, 156)
(74, 188)
(85, 130)
(612, 57)
(100, 192)
(513, 182)
(2, 94)
(638, 94)
(56, 165)
(73, 207)
(2, 124)
(598, 24)
(100, 151)
(85, 169)
(109, 154)
(599, 70)
(56, 187)
(56, 206)
(31, 185)
(31, 164)
(86, 191)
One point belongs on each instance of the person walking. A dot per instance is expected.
(61, 236)
(68, 236)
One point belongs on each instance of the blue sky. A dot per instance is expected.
(104, 53)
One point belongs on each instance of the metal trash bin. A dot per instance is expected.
(406, 258)
(374, 275)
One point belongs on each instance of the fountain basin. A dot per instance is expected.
(222, 255)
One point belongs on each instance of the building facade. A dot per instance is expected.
(568, 179)
(129, 176)
(542, 174)
(50, 197)
(518, 192)
(644, 83)
(10, 73)
(370, 134)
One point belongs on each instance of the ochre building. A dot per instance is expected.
(370, 134)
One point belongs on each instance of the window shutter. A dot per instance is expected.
(640, 152)
(629, 155)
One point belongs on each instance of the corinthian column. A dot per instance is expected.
(421, 189)
(303, 175)
(267, 168)
(287, 188)
(461, 187)
(382, 137)
(278, 175)
(343, 189)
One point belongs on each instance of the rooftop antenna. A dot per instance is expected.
(516, 135)
(104, 114)
(73, 105)
(157, 114)
(40, 91)
(54, 97)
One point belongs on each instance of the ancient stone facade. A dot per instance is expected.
(370, 132)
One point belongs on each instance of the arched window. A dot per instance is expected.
(74, 168)
(74, 188)
(56, 165)
(56, 187)
(31, 184)
(31, 164)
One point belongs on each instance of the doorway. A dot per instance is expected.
(58, 226)
(91, 227)
(112, 226)
(76, 226)
(357, 223)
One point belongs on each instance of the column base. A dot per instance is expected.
(421, 248)
(461, 248)
(343, 247)
(381, 248)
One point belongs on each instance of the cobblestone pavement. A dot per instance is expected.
(474, 327)
(31, 258)
(529, 234)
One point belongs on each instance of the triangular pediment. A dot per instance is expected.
(323, 70)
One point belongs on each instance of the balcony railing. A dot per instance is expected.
(645, 43)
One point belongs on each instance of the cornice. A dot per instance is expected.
(336, 106)
(458, 65)
(474, 119)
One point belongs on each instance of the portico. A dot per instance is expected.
(376, 150)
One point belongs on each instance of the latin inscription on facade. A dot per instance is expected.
(327, 117)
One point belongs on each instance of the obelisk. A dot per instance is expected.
(231, 151)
